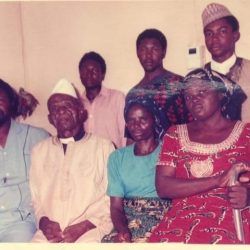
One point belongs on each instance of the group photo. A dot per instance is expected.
(125, 122)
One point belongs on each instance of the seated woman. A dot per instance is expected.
(135, 206)
(197, 162)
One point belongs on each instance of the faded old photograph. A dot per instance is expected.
(125, 122)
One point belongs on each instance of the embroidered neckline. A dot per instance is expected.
(200, 148)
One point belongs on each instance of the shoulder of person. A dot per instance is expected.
(172, 75)
(39, 130)
(172, 131)
(119, 157)
(123, 150)
(115, 93)
(41, 145)
(32, 130)
(246, 62)
(138, 85)
(98, 140)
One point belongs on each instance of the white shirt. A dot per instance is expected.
(225, 66)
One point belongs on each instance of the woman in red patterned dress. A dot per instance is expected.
(197, 162)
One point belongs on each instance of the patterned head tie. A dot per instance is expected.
(151, 107)
(212, 78)
(233, 94)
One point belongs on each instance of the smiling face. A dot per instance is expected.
(66, 114)
(220, 39)
(91, 74)
(150, 54)
(202, 99)
(140, 123)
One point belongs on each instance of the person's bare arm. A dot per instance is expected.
(119, 220)
(75, 231)
(168, 186)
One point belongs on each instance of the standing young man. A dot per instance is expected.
(221, 31)
(105, 106)
(158, 85)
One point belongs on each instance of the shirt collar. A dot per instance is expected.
(15, 127)
(102, 92)
(224, 67)
(66, 140)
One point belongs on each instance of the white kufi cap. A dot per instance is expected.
(64, 87)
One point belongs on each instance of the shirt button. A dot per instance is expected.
(2, 207)
(4, 153)
(90, 116)
(7, 174)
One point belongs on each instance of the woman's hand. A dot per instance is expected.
(228, 177)
(238, 196)
(238, 193)
(122, 237)
(119, 220)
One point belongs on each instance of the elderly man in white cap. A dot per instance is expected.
(221, 31)
(68, 175)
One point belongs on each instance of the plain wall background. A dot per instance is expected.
(42, 42)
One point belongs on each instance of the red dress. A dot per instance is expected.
(207, 217)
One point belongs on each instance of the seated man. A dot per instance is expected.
(68, 177)
(17, 223)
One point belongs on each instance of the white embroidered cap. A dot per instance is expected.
(63, 86)
(213, 12)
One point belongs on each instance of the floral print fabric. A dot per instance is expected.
(206, 217)
(143, 215)
(164, 94)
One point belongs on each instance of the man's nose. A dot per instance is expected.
(136, 123)
(89, 73)
(149, 54)
(195, 98)
(215, 36)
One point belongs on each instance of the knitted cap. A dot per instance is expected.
(213, 12)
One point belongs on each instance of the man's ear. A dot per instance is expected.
(137, 54)
(164, 53)
(236, 36)
(103, 76)
(50, 119)
(83, 114)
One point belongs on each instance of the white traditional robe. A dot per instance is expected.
(70, 188)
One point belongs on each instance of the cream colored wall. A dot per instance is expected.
(11, 52)
(44, 41)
